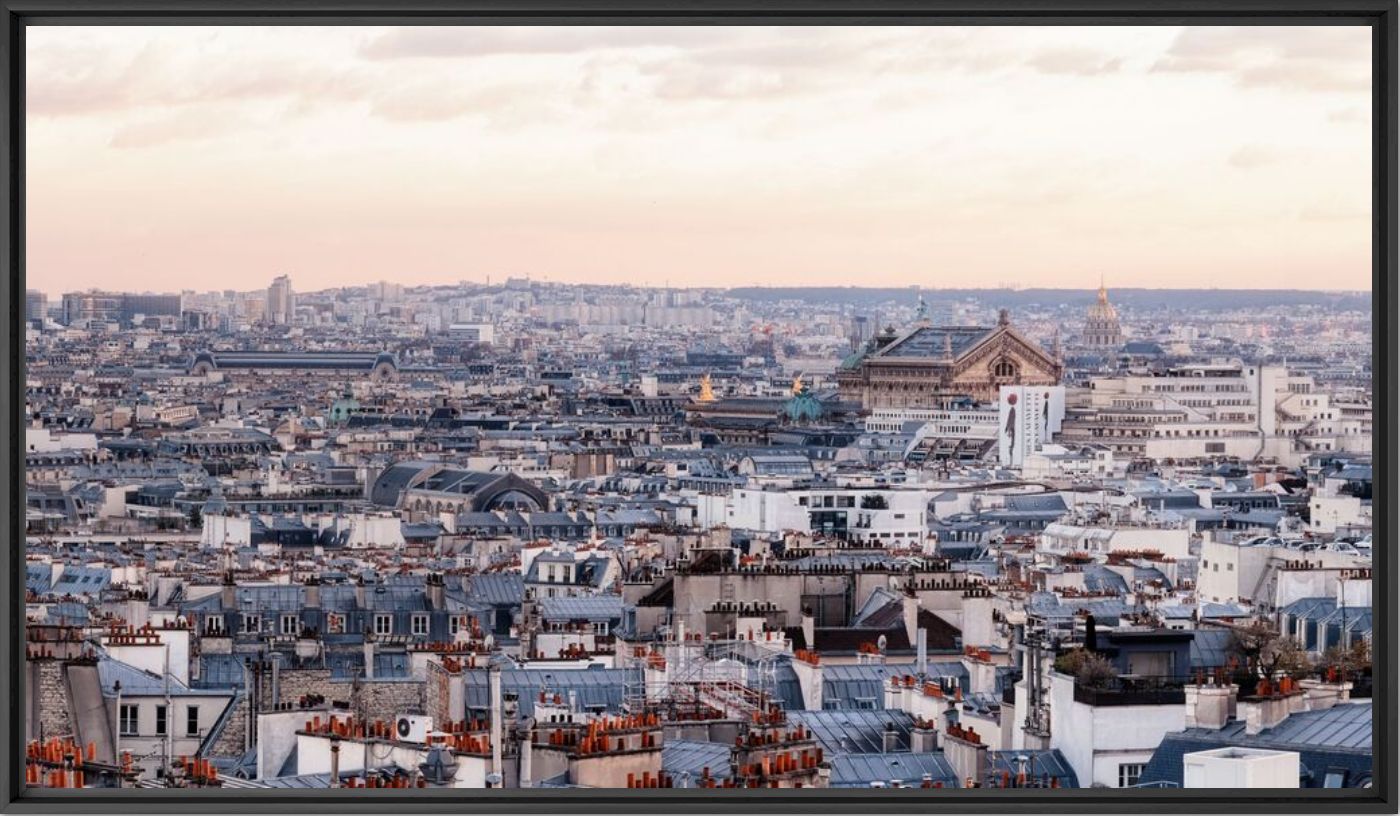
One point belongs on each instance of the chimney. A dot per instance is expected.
(890, 742)
(1267, 708)
(1208, 705)
(227, 593)
(526, 758)
(335, 761)
(923, 737)
(494, 685)
(313, 592)
(923, 652)
(809, 627)
(369, 654)
(966, 752)
(911, 617)
(435, 588)
(360, 591)
(1326, 692)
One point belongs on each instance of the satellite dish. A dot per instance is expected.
(882, 643)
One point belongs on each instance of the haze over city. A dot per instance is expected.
(723, 156)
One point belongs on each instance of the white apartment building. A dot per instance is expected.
(886, 516)
(1262, 571)
(1103, 537)
(968, 423)
(1211, 411)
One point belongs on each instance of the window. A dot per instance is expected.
(1230, 567)
(252, 624)
(1129, 773)
(160, 720)
(383, 624)
(454, 624)
(290, 625)
(600, 628)
(419, 624)
(1004, 368)
(192, 721)
(126, 720)
(335, 624)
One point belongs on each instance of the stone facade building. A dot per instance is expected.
(943, 366)
(1101, 328)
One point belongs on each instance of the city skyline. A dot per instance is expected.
(700, 157)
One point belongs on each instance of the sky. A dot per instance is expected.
(168, 158)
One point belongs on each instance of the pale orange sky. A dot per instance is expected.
(169, 158)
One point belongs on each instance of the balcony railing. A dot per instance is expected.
(1132, 691)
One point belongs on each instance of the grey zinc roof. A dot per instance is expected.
(497, 588)
(394, 480)
(859, 770)
(38, 578)
(1040, 765)
(1346, 727)
(931, 342)
(688, 756)
(140, 682)
(855, 686)
(1339, 738)
(590, 687)
(1040, 502)
(860, 732)
(75, 580)
(1211, 648)
(589, 608)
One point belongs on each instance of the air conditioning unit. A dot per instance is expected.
(413, 727)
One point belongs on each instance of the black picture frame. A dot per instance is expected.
(1380, 15)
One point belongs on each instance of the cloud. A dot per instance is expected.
(478, 41)
(1300, 58)
(1333, 208)
(514, 103)
(1254, 155)
(77, 81)
(1352, 114)
(183, 126)
(1076, 62)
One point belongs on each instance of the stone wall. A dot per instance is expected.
(231, 741)
(51, 688)
(293, 684)
(437, 693)
(386, 699)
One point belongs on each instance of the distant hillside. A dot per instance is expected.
(1186, 299)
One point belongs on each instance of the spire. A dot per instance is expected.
(1103, 290)
(1004, 317)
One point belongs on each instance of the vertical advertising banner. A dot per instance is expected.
(1029, 417)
